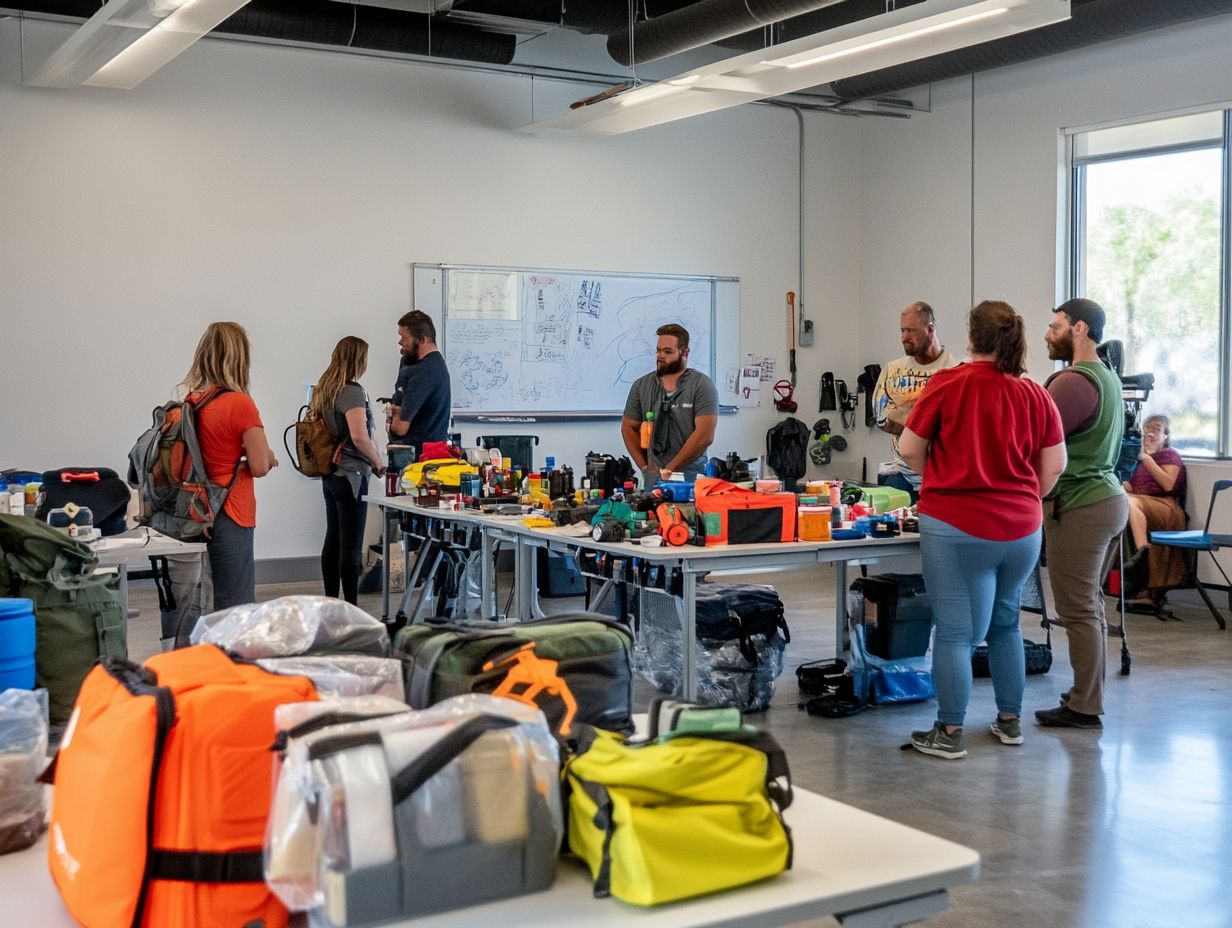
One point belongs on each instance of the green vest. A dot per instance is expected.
(1089, 475)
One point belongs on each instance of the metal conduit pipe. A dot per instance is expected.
(701, 24)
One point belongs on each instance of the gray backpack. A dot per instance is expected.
(177, 496)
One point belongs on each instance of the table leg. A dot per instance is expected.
(688, 651)
(385, 565)
(487, 577)
(841, 642)
(122, 567)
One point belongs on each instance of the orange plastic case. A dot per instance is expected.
(162, 791)
(733, 515)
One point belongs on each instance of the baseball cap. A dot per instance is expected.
(1088, 311)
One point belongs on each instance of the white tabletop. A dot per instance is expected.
(845, 860)
(115, 550)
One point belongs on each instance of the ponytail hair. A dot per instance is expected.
(994, 328)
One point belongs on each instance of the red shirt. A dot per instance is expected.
(985, 429)
(220, 429)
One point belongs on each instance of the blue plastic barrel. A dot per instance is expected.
(16, 644)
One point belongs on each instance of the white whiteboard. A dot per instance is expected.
(521, 341)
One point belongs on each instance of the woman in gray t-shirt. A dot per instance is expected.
(343, 405)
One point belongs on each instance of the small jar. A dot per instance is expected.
(813, 523)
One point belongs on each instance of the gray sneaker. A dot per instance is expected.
(1009, 731)
(936, 742)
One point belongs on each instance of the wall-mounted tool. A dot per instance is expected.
(791, 334)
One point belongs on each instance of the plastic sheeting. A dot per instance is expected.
(23, 754)
(293, 625)
(343, 675)
(725, 674)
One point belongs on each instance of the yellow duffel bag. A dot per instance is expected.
(447, 472)
(681, 816)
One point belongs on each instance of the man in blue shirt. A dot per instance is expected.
(423, 385)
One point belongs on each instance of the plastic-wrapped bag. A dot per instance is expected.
(343, 675)
(742, 636)
(293, 625)
(335, 785)
(23, 755)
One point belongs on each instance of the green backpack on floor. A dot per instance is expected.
(78, 618)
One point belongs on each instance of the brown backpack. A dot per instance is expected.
(316, 450)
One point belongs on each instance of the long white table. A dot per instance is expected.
(691, 561)
(864, 869)
(117, 550)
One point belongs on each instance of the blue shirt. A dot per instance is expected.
(426, 400)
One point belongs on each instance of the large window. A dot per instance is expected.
(1150, 245)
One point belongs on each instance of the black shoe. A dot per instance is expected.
(1065, 717)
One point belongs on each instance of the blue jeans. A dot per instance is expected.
(975, 587)
(342, 551)
(231, 563)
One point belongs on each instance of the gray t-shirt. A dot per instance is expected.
(351, 396)
(675, 413)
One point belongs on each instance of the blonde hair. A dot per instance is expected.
(349, 361)
(221, 359)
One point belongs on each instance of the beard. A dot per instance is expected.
(411, 355)
(664, 368)
(1062, 349)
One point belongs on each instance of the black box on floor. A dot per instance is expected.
(559, 574)
(897, 614)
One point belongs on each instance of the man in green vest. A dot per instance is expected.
(1087, 509)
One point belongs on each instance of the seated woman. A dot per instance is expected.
(1156, 497)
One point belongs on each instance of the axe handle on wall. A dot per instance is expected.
(791, 334)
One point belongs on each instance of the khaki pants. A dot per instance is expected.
(1077, 548)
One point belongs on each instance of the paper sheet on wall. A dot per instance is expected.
(766, 365)
(749, 393)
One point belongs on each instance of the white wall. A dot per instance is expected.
(916, 184)
(290, 190)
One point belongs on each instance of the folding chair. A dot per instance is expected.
(1195, 540)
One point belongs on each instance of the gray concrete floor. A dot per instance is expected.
(1128, 827)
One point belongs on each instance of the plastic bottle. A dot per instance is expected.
(17, 499)
(647, 431)
(31, 497)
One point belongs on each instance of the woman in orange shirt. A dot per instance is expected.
(235, 450)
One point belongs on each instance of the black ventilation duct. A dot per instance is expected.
(329, 24)
(703, 23)
(1091, 22)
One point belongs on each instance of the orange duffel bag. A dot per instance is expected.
(162, 791)
(732, 515)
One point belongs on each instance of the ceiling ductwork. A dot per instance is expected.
(702, 23)
(330, 24)
(1091, 22)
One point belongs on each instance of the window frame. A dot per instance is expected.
(1076, 227)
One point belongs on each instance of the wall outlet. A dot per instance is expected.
(806, 333)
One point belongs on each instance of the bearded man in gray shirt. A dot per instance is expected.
(685, 404)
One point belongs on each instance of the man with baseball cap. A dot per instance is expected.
(1087, 509)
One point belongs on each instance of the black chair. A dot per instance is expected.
(1203, 540)
(518, 448)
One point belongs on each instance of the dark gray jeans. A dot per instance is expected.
(232, 567)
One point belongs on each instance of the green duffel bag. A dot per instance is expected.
(575, 667)
(78, 618)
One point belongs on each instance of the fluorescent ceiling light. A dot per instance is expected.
(128, 40)
(920, 31)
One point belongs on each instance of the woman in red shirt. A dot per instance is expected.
(235, 450)
(989, 445)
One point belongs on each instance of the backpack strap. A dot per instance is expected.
(189, 412)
